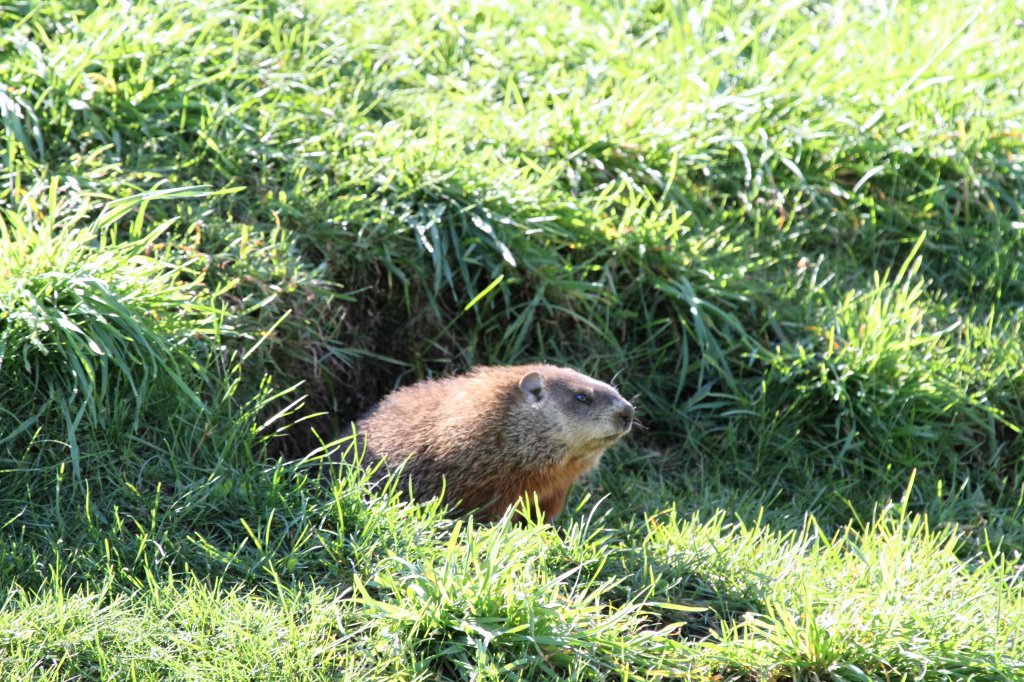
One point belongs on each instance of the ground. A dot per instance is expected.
(793, 231)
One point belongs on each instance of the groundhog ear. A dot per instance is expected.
(532, 386)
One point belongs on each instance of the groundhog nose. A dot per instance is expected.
(624, 416)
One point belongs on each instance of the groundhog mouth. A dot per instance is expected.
(593, 447)
(622, 430)
(610, 439)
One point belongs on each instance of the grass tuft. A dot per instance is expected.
(95, 331)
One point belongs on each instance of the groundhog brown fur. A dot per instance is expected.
(497, 434)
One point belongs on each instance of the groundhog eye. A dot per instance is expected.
(582, 397)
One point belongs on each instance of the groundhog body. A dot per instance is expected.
(492, 436)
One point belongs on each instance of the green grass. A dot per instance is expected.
(793, 230)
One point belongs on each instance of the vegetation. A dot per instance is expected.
(794, 230)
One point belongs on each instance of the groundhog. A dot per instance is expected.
(490, 437)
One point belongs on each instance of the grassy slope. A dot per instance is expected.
(795, 229)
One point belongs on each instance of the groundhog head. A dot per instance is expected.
(587, 415)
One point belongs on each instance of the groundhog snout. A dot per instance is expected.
(623, 417)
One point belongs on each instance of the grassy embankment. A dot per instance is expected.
(794, 230)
